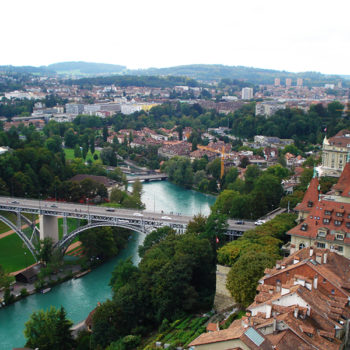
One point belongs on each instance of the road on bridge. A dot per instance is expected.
(75, 210)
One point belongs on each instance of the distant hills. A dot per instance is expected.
(202, 72)
(85, 68)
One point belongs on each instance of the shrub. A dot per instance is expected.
(24, 292)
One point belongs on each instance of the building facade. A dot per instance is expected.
(334, 154)
(247, 93)
(324, 220)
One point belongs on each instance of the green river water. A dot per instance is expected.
(80, 296)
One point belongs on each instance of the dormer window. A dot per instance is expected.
(322, 233)
(347, 224)
(339, 236)
(304, 227)
(337, 222)
(339, 214)
(326, 221)
(327, 212)
(310, 204)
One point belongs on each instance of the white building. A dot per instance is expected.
(247, 93)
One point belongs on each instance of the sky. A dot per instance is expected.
(291, 35)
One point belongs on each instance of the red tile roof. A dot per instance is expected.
(310, 197)
(344, 180)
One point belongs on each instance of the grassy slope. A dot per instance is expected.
(69, 152)
(12, 256)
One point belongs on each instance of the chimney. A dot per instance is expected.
(325, 258)
(274, 325)
(278, 286)
(296, 260)
(268, 310)
(311, 251)
(319, 258)
(296, 311)
(315, 281)
(245, 321)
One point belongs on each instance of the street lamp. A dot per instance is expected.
(25, 258)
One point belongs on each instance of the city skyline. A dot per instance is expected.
(304, 36)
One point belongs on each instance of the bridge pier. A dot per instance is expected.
(48, 227)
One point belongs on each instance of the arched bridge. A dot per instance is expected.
(140, 221)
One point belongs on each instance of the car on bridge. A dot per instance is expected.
(240, 222)
(259, 222)
(166, 217)
(137, 214)
(110, 209)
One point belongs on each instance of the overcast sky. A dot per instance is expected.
(292, 35)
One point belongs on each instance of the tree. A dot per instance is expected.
(46, 249)
(98, 244)
(77, 152)
(244, 275)
(244, 162)
(230, 176)
(49, 330)
(215, 229)
(197, 225)
(105, 133)
(92, 144)
(5, 278)
(214, 168)
(154, 238)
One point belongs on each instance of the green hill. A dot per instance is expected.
(85, 68)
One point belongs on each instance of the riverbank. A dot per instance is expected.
(80, 296)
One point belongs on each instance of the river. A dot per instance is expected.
(80, 296)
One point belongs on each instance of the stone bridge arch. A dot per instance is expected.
(21, 235)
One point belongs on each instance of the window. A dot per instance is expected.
(340, 236)
(321, 245)
(324, 280)
(310, 204)
(322, 233)
(326, 221)
(327, 212)
(301, 246)
(333, 291)
(337, 222)
(340, 249)
(304, 227)
(339, 214)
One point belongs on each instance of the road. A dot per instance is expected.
(84, 211)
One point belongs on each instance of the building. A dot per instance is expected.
(324, 220)
(247, 93)
(268, 108)
(303, 303)
(334, 154)
(277, 81)
(299, 81)
(74, 108)
(288, 82)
